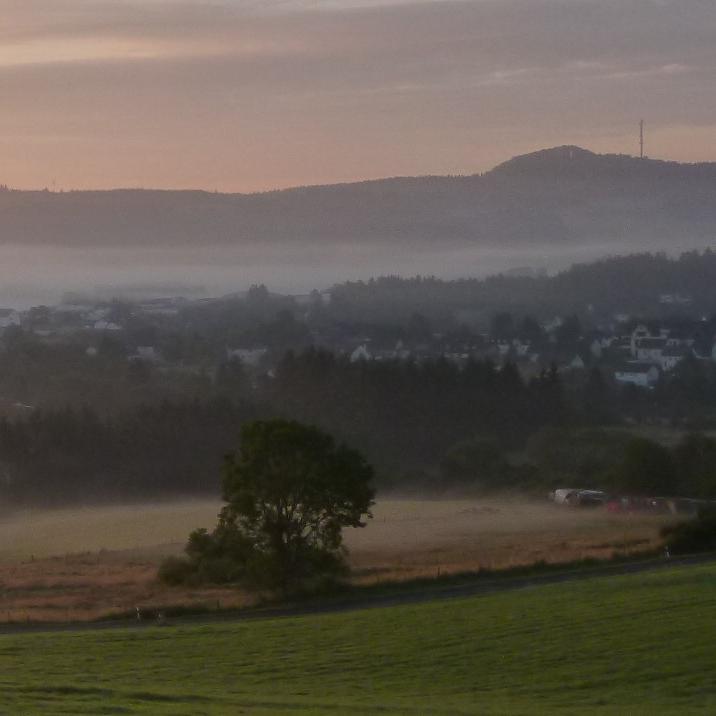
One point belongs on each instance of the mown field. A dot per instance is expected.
(80, 564)
(639, 644)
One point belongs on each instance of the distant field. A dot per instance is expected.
(639, 644)
(668, 436)
(488, 531)
(80, 564)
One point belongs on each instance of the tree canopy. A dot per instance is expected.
(289, 492)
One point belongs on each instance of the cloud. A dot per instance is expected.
(470, 81)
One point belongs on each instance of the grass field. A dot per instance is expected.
(639, 644)
(75, 564)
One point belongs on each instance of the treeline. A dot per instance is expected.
(403, 416)
(74, 456)
(635, 283)
(422, 424)
(618, 461)
(624, 462)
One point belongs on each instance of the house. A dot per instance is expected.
(248, 356)
(105, 325)
(649, 349)
(621, 347)
(97, 314)
(401, 351)
(672, 356)
(147, 354)
(640, 333)
(552, 325)
(675, 299)
(520, 348)
(639, 374)
(9, 317)
(361, 353)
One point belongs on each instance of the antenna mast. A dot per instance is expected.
(641, 139)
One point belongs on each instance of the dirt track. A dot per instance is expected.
(399, 596)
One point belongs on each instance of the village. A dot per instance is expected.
(255, 328)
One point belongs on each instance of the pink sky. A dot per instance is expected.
(244, 95)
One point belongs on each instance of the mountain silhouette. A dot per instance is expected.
(561, 196)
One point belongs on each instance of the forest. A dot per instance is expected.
(430, 426)
(636, 283)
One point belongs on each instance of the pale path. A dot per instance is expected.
(404, 596)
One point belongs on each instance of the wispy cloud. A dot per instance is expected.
(254, 93)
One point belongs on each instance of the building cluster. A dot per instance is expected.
(638, 356)
(648, 355)
(628, 353)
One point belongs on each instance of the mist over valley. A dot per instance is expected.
(541, 212)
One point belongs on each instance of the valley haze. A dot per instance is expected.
(544, 210)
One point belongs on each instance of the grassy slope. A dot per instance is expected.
(626, 645)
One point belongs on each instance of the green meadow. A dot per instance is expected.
(639, 644)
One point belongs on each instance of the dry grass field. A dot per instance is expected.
(83, 563)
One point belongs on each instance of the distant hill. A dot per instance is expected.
(562, 196)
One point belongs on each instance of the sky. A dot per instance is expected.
(250, 95)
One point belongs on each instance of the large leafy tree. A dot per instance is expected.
(289, 491)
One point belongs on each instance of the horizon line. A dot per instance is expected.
(348, 182)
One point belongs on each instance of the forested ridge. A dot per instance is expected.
(631, 284)
(565, 196)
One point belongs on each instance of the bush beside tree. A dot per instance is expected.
(289, 492)
(696, 535)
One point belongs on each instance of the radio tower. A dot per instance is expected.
(641, 139)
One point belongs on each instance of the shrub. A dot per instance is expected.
(697, 535)
(176, 570)
(218, 558)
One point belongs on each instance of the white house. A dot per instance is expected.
(552, 325)
(672, 356)
(104, 325)
(401, 352)
(639, 333)
(638, 374)
(361, 353)
(248, 356)
(675, 299)
(649, 349)
(521, 348)
(577, 363)
(148, 354)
